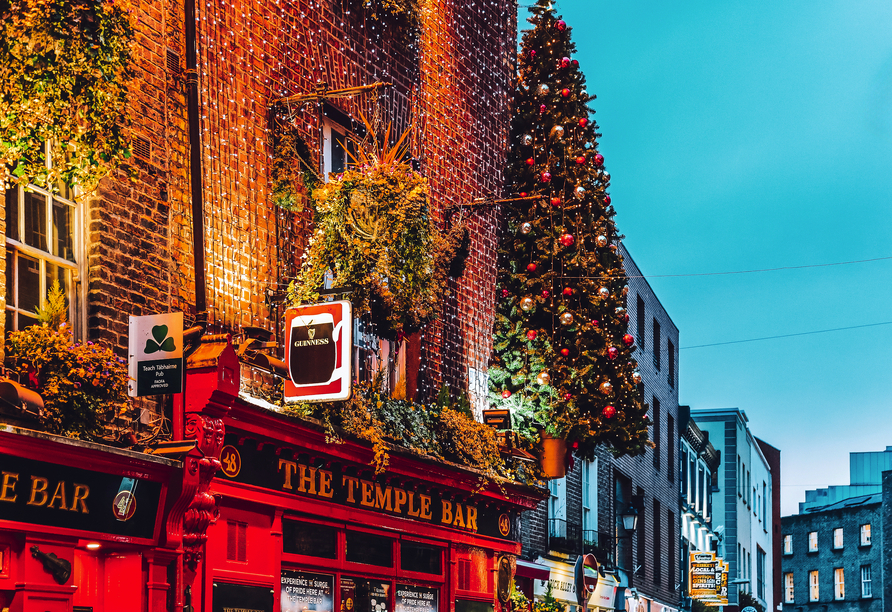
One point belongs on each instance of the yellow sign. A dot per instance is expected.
(708, 578)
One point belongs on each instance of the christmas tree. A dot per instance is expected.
(562, 351)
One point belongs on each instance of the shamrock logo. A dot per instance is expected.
(161, 341)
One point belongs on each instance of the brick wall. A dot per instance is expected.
(850, 557)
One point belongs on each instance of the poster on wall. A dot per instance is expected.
(410, 598)
(319, 352)
(306, 591)
(361, 595)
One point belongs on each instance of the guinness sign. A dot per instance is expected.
(319, 352)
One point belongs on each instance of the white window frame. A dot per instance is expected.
(590, 495)
(814, 586)
(812, 541)
(866, 587)
(837, 538)
(789, 592)
(557, 501)
(865, 534)
(330, 127)
(839, 584)
(788, 544)
(17, 247)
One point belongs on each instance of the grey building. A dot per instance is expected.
(832, 556)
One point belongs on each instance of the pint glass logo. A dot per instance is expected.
(124, 506)
(319, 352)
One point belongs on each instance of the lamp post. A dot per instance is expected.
(629, 519)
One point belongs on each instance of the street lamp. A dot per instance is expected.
(630, 520)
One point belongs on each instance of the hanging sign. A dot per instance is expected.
(318, 352)
(708, 578)
(155, 365)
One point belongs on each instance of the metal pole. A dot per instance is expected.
(195, 158)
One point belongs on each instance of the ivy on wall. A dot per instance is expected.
(65, 67)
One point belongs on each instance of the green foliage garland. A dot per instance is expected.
(293, 177)
(65, 67)
(402, 14)
(561, 282)
(374, 233)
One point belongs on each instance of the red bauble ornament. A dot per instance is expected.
(608, 412)
(625, 317)
(568, 291)
(594, 322)
(599, 160)
(583, 122)
(574, 63)
(545, 293)
(531, 267)
(545, 177)
(612, 352)
(524, 194)
(628, 339)
(580, 160)
(531, 335)
(505, 293)
(561, 25)
(531, 162)
(555, 201)
(565, 61)
(568, 397)
(565, 352)
(532, 53)
(607, 200)
(506, 394)
(542, 108)
(567, 240)
(565, 92)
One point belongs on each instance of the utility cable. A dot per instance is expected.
(820, 331)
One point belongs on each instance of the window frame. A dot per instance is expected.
(812, 541)
(839, 584)
(788, 544)
(865, 534)
(838, 538)
(814, 586)
(16, 247)
(866, 585)
(789, 588)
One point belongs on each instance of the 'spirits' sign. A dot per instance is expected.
(40, 493)
(156, 354)
(265, 468)
(708, 578)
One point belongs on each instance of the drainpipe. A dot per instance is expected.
(195, 159)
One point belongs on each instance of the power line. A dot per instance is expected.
(820, 331)
(825, 265)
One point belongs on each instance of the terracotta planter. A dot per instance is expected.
(553, 456)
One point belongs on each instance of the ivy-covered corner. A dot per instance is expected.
(65, 66)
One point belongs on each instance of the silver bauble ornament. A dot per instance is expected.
(620, 310)
(557, 132)
(543, 378)
(526, 228)
(606, 388)
(526, 139)
(601, 241)
(625, 290)
(605, 176)
(566, 318)
(543, 89)
(580, 192)
(526, 304)
(604, 292)
(636, 377)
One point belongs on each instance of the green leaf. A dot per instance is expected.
(159, 332)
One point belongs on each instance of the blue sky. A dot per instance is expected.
(745, 136)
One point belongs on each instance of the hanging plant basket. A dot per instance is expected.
(553, 456)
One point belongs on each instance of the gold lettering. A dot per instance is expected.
(81, 492)
(425, 506)
(412, 511)
(290, 469)
(325, 484)
(351, 483)
(472, 518)
(446, 516)
(383, 497)
(60, 495)
(8, 486)
(459, 518)
(399, 500)
(367, 494)
(38, 487)
(307, 479)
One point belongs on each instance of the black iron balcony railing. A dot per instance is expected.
(564, 537)
(602, 545)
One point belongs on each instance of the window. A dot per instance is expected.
(369, 549)
(656, 343)
(837, 537)
(839, 584)
(683, 461)
(639, 331)
(812, 541)
(42, 243)
(336, 142)
(813, 592)
(590, 498)
(416, 557)
(656, 437)
(788, 544)
(788, 588)
(557, 505)
(657, 544)
(760, 573)
(309, 539)
(670, 532)
(642, 538)
(670, 357)
(865, 581)
(670, 447)
(865, 535)
(765, 505)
